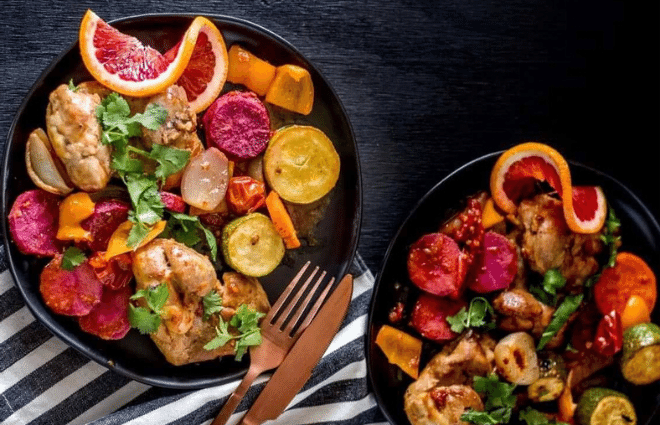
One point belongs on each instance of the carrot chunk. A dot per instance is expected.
(282, 221)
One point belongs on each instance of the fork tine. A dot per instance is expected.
(316, 307)
(285, 295)
(298, 313)
(291, 305)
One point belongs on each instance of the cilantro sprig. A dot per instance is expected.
(559, 317)
(546, 291)
(611, 236)
(147, 319)
(72, 258)
(472, 317)
(118, 128)
(212, 303)
(534, 417)
(246, 322)
(187, 229)
(499, 401)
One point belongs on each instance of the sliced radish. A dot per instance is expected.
(496, 268)
(429, 317)
(204, 181)
(435, 265)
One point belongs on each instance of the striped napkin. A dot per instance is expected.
(44, 381)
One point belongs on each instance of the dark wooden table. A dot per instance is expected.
(431, 85)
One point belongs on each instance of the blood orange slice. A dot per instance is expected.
(122, 63)
(517, 171)
(207, 69)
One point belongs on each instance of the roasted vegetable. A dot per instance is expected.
(603, 406)
(635, 312)
(436, 265)
(282, 220)
(247, 69)
(640, 362)
(400, 349)
(251, 245)
(292, 89)
(516, 359)
(552, 378)
(429, 316)
(497, 266)
(33, 223)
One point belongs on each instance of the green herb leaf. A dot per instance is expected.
(560, 316)
(212, 303)
(186, 229)
(473, 317)
(72, 258)
(610, 236)
(499, 401)
(534, 417)
(222, 336)
(147, 319)
(246, 321)
(72, 86)
(170, 160)
(546, 292)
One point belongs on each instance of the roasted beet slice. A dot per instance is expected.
(173, 202)
(108, 215)
(436, 265)
(429, 316)
(496, 267)
(238, 124)
(114, 273)
(109, 318)
(72, 293)
(33, 222)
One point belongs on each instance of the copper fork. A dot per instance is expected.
(279, 330)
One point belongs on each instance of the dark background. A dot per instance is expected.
(430, 85)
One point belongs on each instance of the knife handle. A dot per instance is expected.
(238, 394)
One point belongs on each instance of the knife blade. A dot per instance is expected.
(297, 366)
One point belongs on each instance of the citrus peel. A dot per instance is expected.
(517, 171)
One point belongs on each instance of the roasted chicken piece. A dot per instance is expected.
(443, 390)
(190, 276)
(179, 130)
(547, 242)
(75, 134)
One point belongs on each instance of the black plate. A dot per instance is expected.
(136, 356)
(640, 231)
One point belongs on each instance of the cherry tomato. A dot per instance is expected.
(609, 335)
(245, 194)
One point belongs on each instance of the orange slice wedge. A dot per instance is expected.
(206, 72)
(517, 171)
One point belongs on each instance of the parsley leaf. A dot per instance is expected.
(473, 317)
(72, 258)
(246, 321)
(534, 417)
(72, 86)
(560, 316)
(499, 401)
(212, 303)
(147, 319)
(186, 229)
(546, 292)
(610, 236)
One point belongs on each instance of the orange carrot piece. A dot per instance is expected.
(282, 220)
(629, 276)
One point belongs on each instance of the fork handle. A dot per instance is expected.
(236, 397)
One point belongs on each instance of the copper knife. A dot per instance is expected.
(297, 366)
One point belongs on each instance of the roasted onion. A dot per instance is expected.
(516, 360)
(205, 178)
(42, 166)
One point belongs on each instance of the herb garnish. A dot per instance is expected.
(118, 127)
(72, 86)
(546, 291)
(246, 321)
(534, 417)
(473, 317)
(72, 258)
(560, 316)
(147, 319)
(186, 229)
(610, 236)
(212, 303)
(499, 401)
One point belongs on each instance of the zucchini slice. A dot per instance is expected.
(301, 164)
(552, 378)
(603, 406)
(251, 245)
(640, 362)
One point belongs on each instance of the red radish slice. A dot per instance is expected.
(33, 222)
(496, 268)
(429, 317)
(109, 318)
(436, 266)
(108, 215)
(205, 178)
(71, 293)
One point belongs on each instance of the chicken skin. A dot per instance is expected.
(190, 276)
(75, 134)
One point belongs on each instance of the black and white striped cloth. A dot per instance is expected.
(44, 381)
